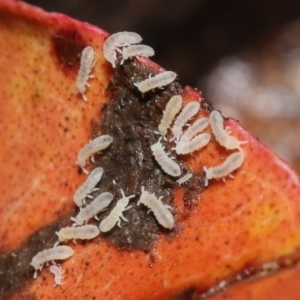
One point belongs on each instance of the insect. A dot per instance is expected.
(160, 210)
(93, 147)
(222, 135)
(59, 252)
(232, 162)
(56, 270)
(117, 212)
(88, 186)
(166, 163)
(85, 232)
(157, 81)
(187, 113)
(137, 50)
(96, 206)
(185, 146)
(87, 63)
(116, 40)
(172, 109)
(185, 178)
(197, 127)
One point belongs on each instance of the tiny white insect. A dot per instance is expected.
(232, 162)
(186, 114)
(88, 186)
(87, 62)
(185, 146)
(172, 109)
(85, 232)
(116, 40)
(116, 214)
(157, 81)
(160, 210)
(97, 205)
(137, 50)
(96, 145)
(222, 135)
(59, 252)
(185, 178)
(167, 164)
(56, 270)
(196, 128)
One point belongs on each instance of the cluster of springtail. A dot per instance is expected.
(175, 118)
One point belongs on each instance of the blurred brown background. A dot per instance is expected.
(244, 55)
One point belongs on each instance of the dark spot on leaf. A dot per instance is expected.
(67, 46)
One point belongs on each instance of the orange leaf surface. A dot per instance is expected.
(282, 285)
(226, 231)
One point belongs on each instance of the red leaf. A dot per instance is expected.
(231, 230)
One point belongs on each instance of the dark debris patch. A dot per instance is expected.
(15, 268)
(131, 118)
